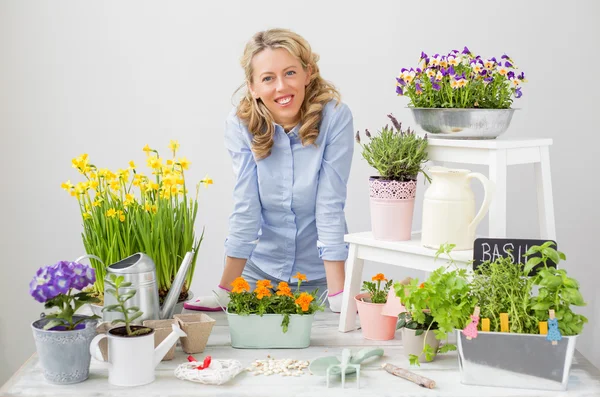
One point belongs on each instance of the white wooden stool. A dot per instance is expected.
(497, 154)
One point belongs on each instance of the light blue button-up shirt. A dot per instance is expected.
(288, 213)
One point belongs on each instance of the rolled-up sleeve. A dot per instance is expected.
(331, 190)
(244, 222)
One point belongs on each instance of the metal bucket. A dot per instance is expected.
(64, 355)
(521, 361)
(457, 123)
(265, 332)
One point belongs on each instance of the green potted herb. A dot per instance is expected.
(398, 156)
(434, 308)
(525, 356)
(133, 356)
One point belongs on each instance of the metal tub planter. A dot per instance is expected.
(264, 332)
(522, 361)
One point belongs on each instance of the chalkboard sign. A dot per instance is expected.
(489, 249)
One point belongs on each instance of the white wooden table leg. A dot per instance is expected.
(497, 212)
(354, 269)
(544, 195)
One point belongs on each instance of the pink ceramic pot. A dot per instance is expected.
(374, 325)
(392, 205)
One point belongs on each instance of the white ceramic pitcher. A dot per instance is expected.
(449, 208)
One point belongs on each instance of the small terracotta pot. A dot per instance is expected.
(162, 329)
(198, 328)
(103, 345)
(374, 325)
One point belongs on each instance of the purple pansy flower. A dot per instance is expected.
(423, 55)
(521, 76)
(418, 88)
(510, 74)
(451, 71)
(518, 93)
(505, 56)
(399, 90)
(466, 51)
(400, 81)
(508, 64)
(488, 79)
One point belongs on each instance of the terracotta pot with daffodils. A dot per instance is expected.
(126, 212)
(270, 317)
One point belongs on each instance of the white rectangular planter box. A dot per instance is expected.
(522, 361)
(264, 332)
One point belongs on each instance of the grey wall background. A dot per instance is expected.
(106, 78)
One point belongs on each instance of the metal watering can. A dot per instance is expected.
(140, 271)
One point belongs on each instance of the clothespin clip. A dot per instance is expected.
(470, 330)
(205, 364)
(543, 327)
(553, 332)
(504, 322)
(485, 324)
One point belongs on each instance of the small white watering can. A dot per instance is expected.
(132, 359)
(449, 208)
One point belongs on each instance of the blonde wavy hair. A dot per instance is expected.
(253, 112)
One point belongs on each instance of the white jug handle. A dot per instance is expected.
(94, 350)
(488, 189)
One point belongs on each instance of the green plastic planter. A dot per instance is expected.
(265, 332)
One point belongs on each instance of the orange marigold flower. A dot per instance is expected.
(261, 292)
(240, 285)
(378, 277)
(422, 285)
(283, 289)
(264, 283)
(304, 301)
(300, 276)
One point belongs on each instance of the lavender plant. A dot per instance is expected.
(461, 80)
(54, 285)
(395, 153)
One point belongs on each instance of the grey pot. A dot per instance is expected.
(414, 344)
(458, 123)
(64, 355)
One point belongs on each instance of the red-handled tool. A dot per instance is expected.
(205, 364)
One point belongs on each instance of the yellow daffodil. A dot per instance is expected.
(154, 162)
(184, 162)
(86, 215)
(173, 145)
(111, 213)
(206, 181)
(132, 165)
(147, 150)
(67, 186)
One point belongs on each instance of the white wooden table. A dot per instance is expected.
(498, 154)
(584, 380)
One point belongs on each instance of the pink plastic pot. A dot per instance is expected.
(392, 206)
(374, 325)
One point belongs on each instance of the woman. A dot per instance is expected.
(291, 144)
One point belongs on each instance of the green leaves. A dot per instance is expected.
(396, 154)
(378, 294)
(131, 313)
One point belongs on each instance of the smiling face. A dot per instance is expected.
(279, 80)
